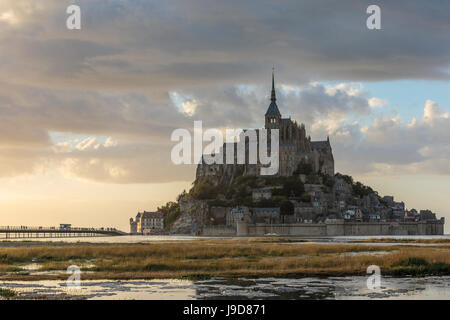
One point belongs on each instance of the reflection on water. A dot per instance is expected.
(163, 238)
(242, 288)
(104, 289)
(108, 239)
(325, 288)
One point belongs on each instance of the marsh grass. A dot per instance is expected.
(196, 277)
(9, 268)
(419, 266)
(401, 240)
(7, 293)
(229, 258)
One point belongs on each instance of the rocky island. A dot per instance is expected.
(305, 198)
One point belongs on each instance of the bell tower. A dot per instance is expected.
(273, 115)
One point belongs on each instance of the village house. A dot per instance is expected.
(370, 201)
(147, 223)
(237, 214)
(304, 217)
(411, 216)
(397, 214)
(317, 204)
(261, 194)
(349, 214)
(399, 206)
(374, 217)
(303, 207)
(313, 189)
(425, 215)
(358, 215)
(353, 213)
(389, 200)
(342, 189)
(266, 215)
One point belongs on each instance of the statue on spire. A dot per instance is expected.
(273, 98)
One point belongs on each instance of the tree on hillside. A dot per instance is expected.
(204, 191)
(293, 187)
(168, 208)
(346, 178)
(306, 197)
(286, 208)
(304, 168)
(361, 190)
(171, 212)
(182, 195)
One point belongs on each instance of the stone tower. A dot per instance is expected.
(273, 115)
(295, 147)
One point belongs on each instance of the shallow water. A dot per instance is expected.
(139, 239)
(242, 288)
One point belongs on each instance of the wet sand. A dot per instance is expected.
(242, 288)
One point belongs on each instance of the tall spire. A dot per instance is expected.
(273, 98)
(273, 108)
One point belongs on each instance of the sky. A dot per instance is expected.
(86, 115)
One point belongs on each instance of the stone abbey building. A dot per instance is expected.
(295, 147)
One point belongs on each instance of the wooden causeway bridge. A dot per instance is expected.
(64, 231)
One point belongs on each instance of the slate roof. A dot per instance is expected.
(273, 110)
(149, 215)
(320, 144)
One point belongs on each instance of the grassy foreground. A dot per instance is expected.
(401, 240)
(228, 258)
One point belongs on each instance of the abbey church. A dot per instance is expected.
(295, 148)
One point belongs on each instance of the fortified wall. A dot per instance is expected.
(334, 228)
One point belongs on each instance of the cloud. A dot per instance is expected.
(420, 146)
(377, 102)
(131, 163)
(63, 147)
(86, 144)
(140, 69)
(128, 44)
(110, 142)
(433, 113)
(143, 154)
(9, 17)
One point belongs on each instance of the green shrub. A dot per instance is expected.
(420, 267)
(204, 191)
(412, 262)
(7, 293)
(304, 168)
(196, 277)
(293, 187)
(286, 208)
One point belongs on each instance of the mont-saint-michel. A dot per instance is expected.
(305, 197)
(326, 179)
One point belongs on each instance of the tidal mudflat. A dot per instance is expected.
(240, 288)
(210, 267)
